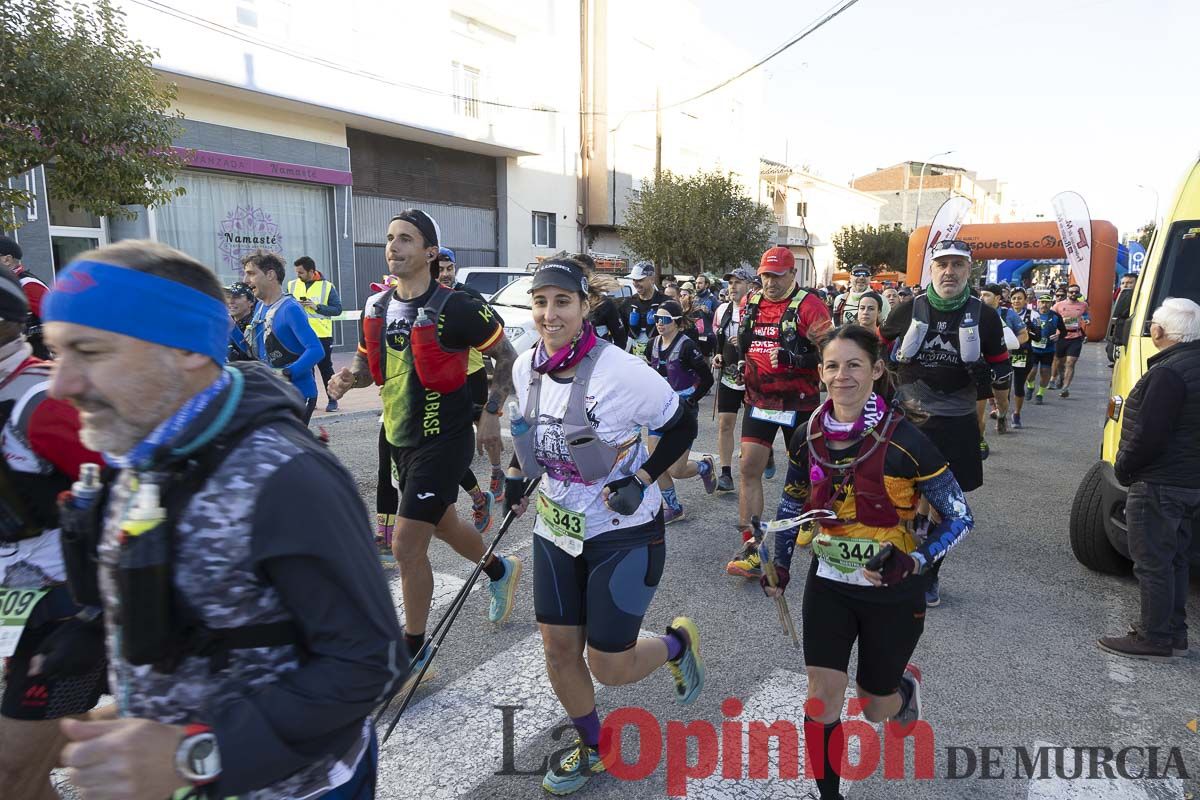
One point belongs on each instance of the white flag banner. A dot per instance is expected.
(1075, 228)
(946, 222)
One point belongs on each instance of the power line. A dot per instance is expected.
(217, 27)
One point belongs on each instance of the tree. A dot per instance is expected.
(705, 221)
(76, 91)
(882, 248)
(1146, 233)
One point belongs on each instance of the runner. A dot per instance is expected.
(637, 312)
(35, 291)
(1023, 356)
(598, 548)
(779, 328)
(414, 345)
(1050, 329)
(870, 306)
(859, 448)
(602, 308)
(845, 308)
(477, 383)
(280, 335)
(42, 455)
(941, 334)
(1074, 311)
(321, 302)
(1015, 338)
(242, 305)
(891, 296)
(731, 388)
(676, 357)
(700, 314)
(199, 526)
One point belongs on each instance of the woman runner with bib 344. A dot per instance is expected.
(859, 458)
(598, 547)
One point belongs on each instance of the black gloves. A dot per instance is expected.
(782, 573)
(892, 565)
(514, 490)
(625, 495)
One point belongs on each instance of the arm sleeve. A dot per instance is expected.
(944, 494)
(334, 306)
(1162, 402)
(311, 350)
(35, 293)
(696, 362)
(54, 435)
(317, 555)
(677, 436)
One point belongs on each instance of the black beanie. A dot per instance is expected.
(10, 248)
(13, 305)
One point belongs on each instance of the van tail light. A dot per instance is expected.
(1115, 403)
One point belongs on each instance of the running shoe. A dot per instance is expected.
(910, 712)
(769, 472)
(331, 405)
(504, 591)
(748, 565)
(725, 483)
(496, 487)
(688, 669)
(414, 670)
(1016, 421)
(573, 772)
(710, 477)
(993, 411)
(1039, 399)
(672, 514)
(481, 512)
(1055, 383)
(933, 595)
(984, 450)
(1002, 425)
(1065, 393)
(1028, 392)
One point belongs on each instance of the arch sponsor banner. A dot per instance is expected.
(946, 224)
(1075, 228)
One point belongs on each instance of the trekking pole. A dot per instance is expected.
(438, 635)
(768, 568)
(717, 381)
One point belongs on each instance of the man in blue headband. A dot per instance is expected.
(247, 646)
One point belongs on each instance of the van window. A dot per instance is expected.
(485, 283)
(1179, 269)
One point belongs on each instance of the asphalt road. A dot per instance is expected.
(1009, 658)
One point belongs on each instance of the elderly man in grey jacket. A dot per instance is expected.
(1159, 460)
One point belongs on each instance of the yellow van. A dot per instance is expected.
(1172, 269)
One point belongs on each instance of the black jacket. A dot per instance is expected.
(606, 318)
(1160, 434)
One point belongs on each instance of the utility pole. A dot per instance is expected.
(657, 133)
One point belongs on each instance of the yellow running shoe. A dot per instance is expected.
(574, 771)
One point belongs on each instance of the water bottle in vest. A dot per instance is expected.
(439, 370)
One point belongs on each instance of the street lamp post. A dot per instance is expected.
(921, 184)
(1155, 191)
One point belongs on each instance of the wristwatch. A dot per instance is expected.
(197, 759)
(492, 407)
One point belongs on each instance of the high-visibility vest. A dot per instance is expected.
(318, 292)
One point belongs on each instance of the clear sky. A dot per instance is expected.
(1097, 96)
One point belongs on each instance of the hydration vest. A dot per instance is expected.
(277, 356)
(375, 335)
(789, 333)
(670, 367)
(592, 456)
(968, 331)
(872, 506)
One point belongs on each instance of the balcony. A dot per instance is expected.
(790, 235)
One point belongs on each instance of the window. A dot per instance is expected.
(543, 229)
(802, 209)
(72, 230)
(466, 90)
(1179, 270)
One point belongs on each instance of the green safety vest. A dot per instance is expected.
(318, 292)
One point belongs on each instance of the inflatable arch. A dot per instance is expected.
(1032, 240)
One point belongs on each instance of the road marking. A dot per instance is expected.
(445, 587)
(780, 697)
(451, 741)
(1102, 788)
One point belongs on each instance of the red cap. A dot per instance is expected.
(777, 260)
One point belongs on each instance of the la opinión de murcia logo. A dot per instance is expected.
(244, 230)
(740, 750)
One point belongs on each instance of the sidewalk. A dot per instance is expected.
(357, 400)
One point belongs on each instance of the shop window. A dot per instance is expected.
(543, 229)
(73, 230)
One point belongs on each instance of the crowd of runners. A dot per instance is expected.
(160, 551)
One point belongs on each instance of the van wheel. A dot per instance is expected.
(1089, 542)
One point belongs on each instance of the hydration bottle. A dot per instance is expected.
(517, 423)
(440, 370)
(144, 579)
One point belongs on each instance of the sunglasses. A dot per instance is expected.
(665, 320)
(950, 244)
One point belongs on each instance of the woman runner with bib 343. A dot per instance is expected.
(860, 459)
(598, 548)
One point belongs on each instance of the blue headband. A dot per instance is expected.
(141, 305)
